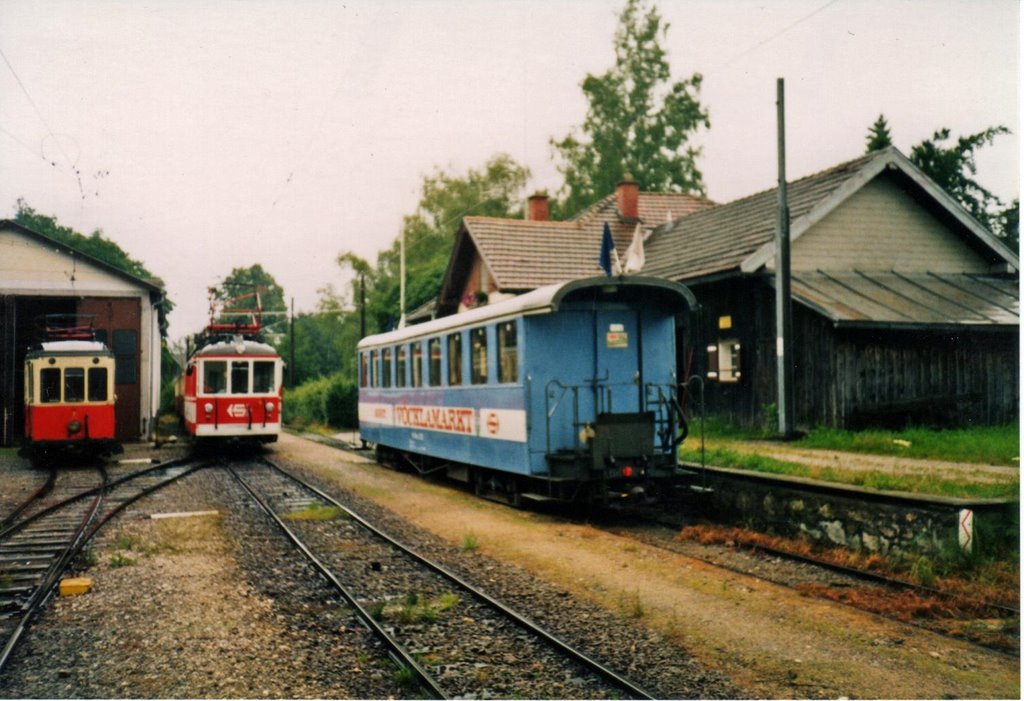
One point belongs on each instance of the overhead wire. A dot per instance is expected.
(46, 124)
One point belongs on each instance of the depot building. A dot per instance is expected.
(40, 276)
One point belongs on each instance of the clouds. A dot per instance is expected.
(214, 134)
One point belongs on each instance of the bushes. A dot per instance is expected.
(330, 401)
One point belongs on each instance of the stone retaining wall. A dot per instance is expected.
(860, 519)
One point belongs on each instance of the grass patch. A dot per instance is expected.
(415, 608)
(316, 512)
(121, 560)
(992, 445)
(868, 479)
(469, 543)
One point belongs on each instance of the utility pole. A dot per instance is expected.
(401, 302)
(291, 363)
(362, 305)
(783, 293)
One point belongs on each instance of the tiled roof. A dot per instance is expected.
(897, 299)
(523, 255)
(719, 238)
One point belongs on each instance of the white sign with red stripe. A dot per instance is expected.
(499, 424)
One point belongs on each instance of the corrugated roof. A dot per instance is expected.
(523, 255)
(721, 238)
(910, 299)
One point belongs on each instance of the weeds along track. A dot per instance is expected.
(450, 638)
(956, 611)
(43, 535)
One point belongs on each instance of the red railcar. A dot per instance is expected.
(232, 385)
(231, 389)
(69, 395)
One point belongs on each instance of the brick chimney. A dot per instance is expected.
(537, 207)
(627, 196)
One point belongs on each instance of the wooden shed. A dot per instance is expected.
(905, 308)
(38, 276)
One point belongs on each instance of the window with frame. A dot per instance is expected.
(97, 384)
(215, 377)
(49, 385)
(508, 353)
(385, 371)
(455, 359)
(263, 372)
(374, 372)
(74, 384)
(364, 369)
(239, 377)
(400, 363)
(478, 344)
(417, 364)
(724, 361)
(434, 348)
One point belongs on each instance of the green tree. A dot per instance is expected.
(494, 190)
(878, 135)
(953, 168)
(237, 292)
(637, 124)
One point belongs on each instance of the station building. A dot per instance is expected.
(38, 276)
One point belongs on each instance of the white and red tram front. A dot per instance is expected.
(232, 390)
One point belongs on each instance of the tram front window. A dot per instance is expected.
(215, 377)
(263, 377)
(74, 384)
(240, 377)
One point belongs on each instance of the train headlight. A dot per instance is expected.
(208, 408)
(268, 407)
(74, 426)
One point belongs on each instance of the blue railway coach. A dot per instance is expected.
(564, 393)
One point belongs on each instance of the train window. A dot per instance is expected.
(508, 353)
(435, 362)
(478, 343)
(240, 377)
(263, 376)
(215, 377)
(74, 384)
(49, 385)
(417, 364)
(385, 368)
(97, 384)
(374, 374)
(455, 359)
(363, 369)
(400, 363)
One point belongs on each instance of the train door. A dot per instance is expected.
(619, 370)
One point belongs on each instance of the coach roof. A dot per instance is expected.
(544, 300)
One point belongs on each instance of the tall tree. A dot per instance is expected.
(238, 288)
(494, 190)
(637, 123)
(878, 135)
(953, 168)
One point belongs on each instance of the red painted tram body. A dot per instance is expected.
(69, 396)
(231, 389)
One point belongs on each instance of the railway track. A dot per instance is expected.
(454, 639)
(43, 535)
(991, 625)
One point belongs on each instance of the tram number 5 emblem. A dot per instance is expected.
(236, 411)
(492, 424)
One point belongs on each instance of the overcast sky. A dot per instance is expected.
(203, 135)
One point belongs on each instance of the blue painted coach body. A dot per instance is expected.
(528, 376)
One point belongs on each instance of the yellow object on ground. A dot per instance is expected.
(75, 585)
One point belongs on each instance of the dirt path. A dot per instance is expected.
(771, 641)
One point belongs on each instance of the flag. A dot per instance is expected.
(607, 251)
(635, 253)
